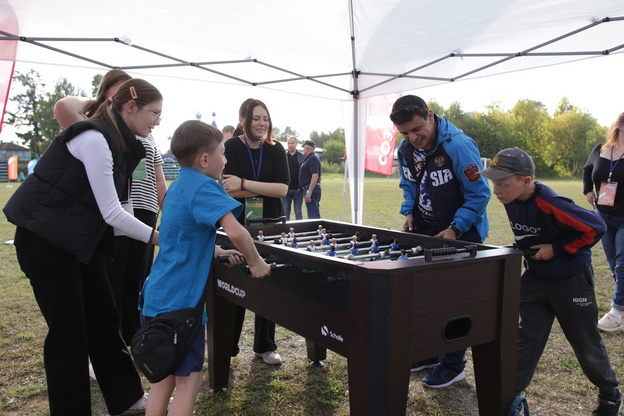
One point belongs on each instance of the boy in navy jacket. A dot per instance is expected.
(557, 236)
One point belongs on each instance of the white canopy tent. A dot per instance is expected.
(346, 50)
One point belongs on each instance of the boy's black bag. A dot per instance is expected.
(162, 342)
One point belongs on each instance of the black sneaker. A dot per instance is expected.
(608, 406)
(442, 377)
(425, 364)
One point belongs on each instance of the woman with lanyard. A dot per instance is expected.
(604, 172)
(256, 174)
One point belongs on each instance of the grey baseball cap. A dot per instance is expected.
(508, 162)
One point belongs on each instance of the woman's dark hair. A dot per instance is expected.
(112, 77)
(135, 89)
(246, 112)
(193, 137)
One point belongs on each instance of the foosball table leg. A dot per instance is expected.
(316, 353)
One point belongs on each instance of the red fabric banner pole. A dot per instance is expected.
(380, 134)
(5, 91)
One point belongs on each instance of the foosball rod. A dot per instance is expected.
(303, 234)
(428, 253)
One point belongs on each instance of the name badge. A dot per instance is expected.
(607, 193)
(254, 208)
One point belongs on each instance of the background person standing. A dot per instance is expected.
(310, 179)
(295, 192)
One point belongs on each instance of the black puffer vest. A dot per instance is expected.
(56, 202)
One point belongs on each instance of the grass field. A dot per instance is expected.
(295, 388)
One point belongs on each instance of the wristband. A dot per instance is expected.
(242, 184)
(456, 231)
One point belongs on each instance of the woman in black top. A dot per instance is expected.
(256, 174)
(604, 173)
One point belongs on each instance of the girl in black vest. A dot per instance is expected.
(65, 213)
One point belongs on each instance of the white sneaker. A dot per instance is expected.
(138, 407)
(610, 323)
(270, 357)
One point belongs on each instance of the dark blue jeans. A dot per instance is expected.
(313, 207)
(613, 246)
(294, 196)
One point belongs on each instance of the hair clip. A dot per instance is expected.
(133, 93)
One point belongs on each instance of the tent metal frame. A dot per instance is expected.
(320, 78)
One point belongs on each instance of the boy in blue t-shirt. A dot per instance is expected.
(195, 206)
(558, 282)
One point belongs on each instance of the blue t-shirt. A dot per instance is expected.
(193, 206)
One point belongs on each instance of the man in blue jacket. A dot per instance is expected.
(444, 196)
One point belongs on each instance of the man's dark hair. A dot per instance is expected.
(406, 107)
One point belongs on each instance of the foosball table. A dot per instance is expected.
(410, 298)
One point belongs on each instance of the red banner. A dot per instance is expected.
(8, 23)
(380, 134)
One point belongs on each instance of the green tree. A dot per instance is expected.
(333, 151)
(283, 136)
(34, 119)
(321, 138)
(529, 121)
(573, 134)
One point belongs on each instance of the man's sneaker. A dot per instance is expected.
(609, 323)
(441, 377)
(608, 406)
(270, 357)
(138, 407)
(425, 364)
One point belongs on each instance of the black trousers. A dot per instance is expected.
(127, 271)
(264, 333)
(77, 304)
(573, 302)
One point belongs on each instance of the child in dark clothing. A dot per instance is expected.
(558, 280)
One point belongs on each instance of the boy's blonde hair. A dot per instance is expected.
(193, 137)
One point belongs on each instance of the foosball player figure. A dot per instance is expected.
(375, 247)
(312, 246)
(319, 230)
(354, 250)
(373, 239)
(395, 244)
(294, 243)
(357, 236)
(260, 236)
(332, 250)
(403, 255)
(354, 240)
(327, 239)
(283, 239)
(291, 233)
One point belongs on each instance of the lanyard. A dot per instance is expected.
(253, 165)
(613, 165)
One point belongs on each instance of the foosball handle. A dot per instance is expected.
(340, 277)
(273, 266)
(448, 251)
